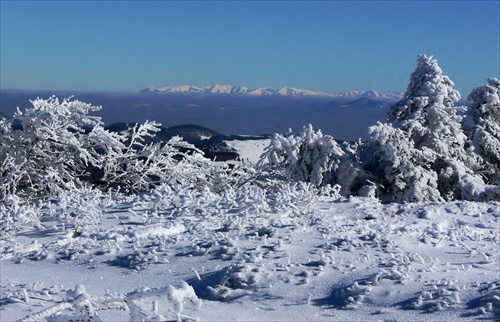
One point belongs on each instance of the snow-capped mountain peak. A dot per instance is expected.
(175, 89)
(261, 91)
(371, 93)
(224, 89)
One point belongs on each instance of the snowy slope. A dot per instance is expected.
(250, 150)
(282, 254)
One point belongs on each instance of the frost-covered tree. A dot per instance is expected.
(405, 174)
(312, 157)
(485, 112)
(428, 114)
(427, 126)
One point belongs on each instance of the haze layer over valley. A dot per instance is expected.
(233, 110)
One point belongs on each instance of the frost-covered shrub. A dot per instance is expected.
(267, 197)
(312, 157)
(78, 208)
(48, 154)
(14, 214)
(423, 154)
(72, 210)
(485, 112)
(60, 147)
(137, 166)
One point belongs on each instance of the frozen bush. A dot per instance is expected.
(312, 157)
(59, 147)
(48, 153)
(14, 215)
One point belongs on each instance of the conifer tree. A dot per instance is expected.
(485, 135)
(438, 156)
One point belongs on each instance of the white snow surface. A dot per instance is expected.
(249, 150)
(253, 255)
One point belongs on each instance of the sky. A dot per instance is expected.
(331, 46)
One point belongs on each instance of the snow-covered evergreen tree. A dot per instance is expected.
(485, 112)
(428, 114)
(427, 126)
(404, 172)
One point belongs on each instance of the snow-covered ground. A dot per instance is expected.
(251, 255)
(249, 150)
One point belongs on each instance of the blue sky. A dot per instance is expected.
(331, 46)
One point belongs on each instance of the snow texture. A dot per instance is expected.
(250, 255)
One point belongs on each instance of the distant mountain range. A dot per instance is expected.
(267, 91)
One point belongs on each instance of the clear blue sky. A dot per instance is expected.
(331, 46)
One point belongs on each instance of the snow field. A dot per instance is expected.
(249, 150)
(254, 255)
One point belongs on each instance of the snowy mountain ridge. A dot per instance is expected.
(267, 91)
(371, 93)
